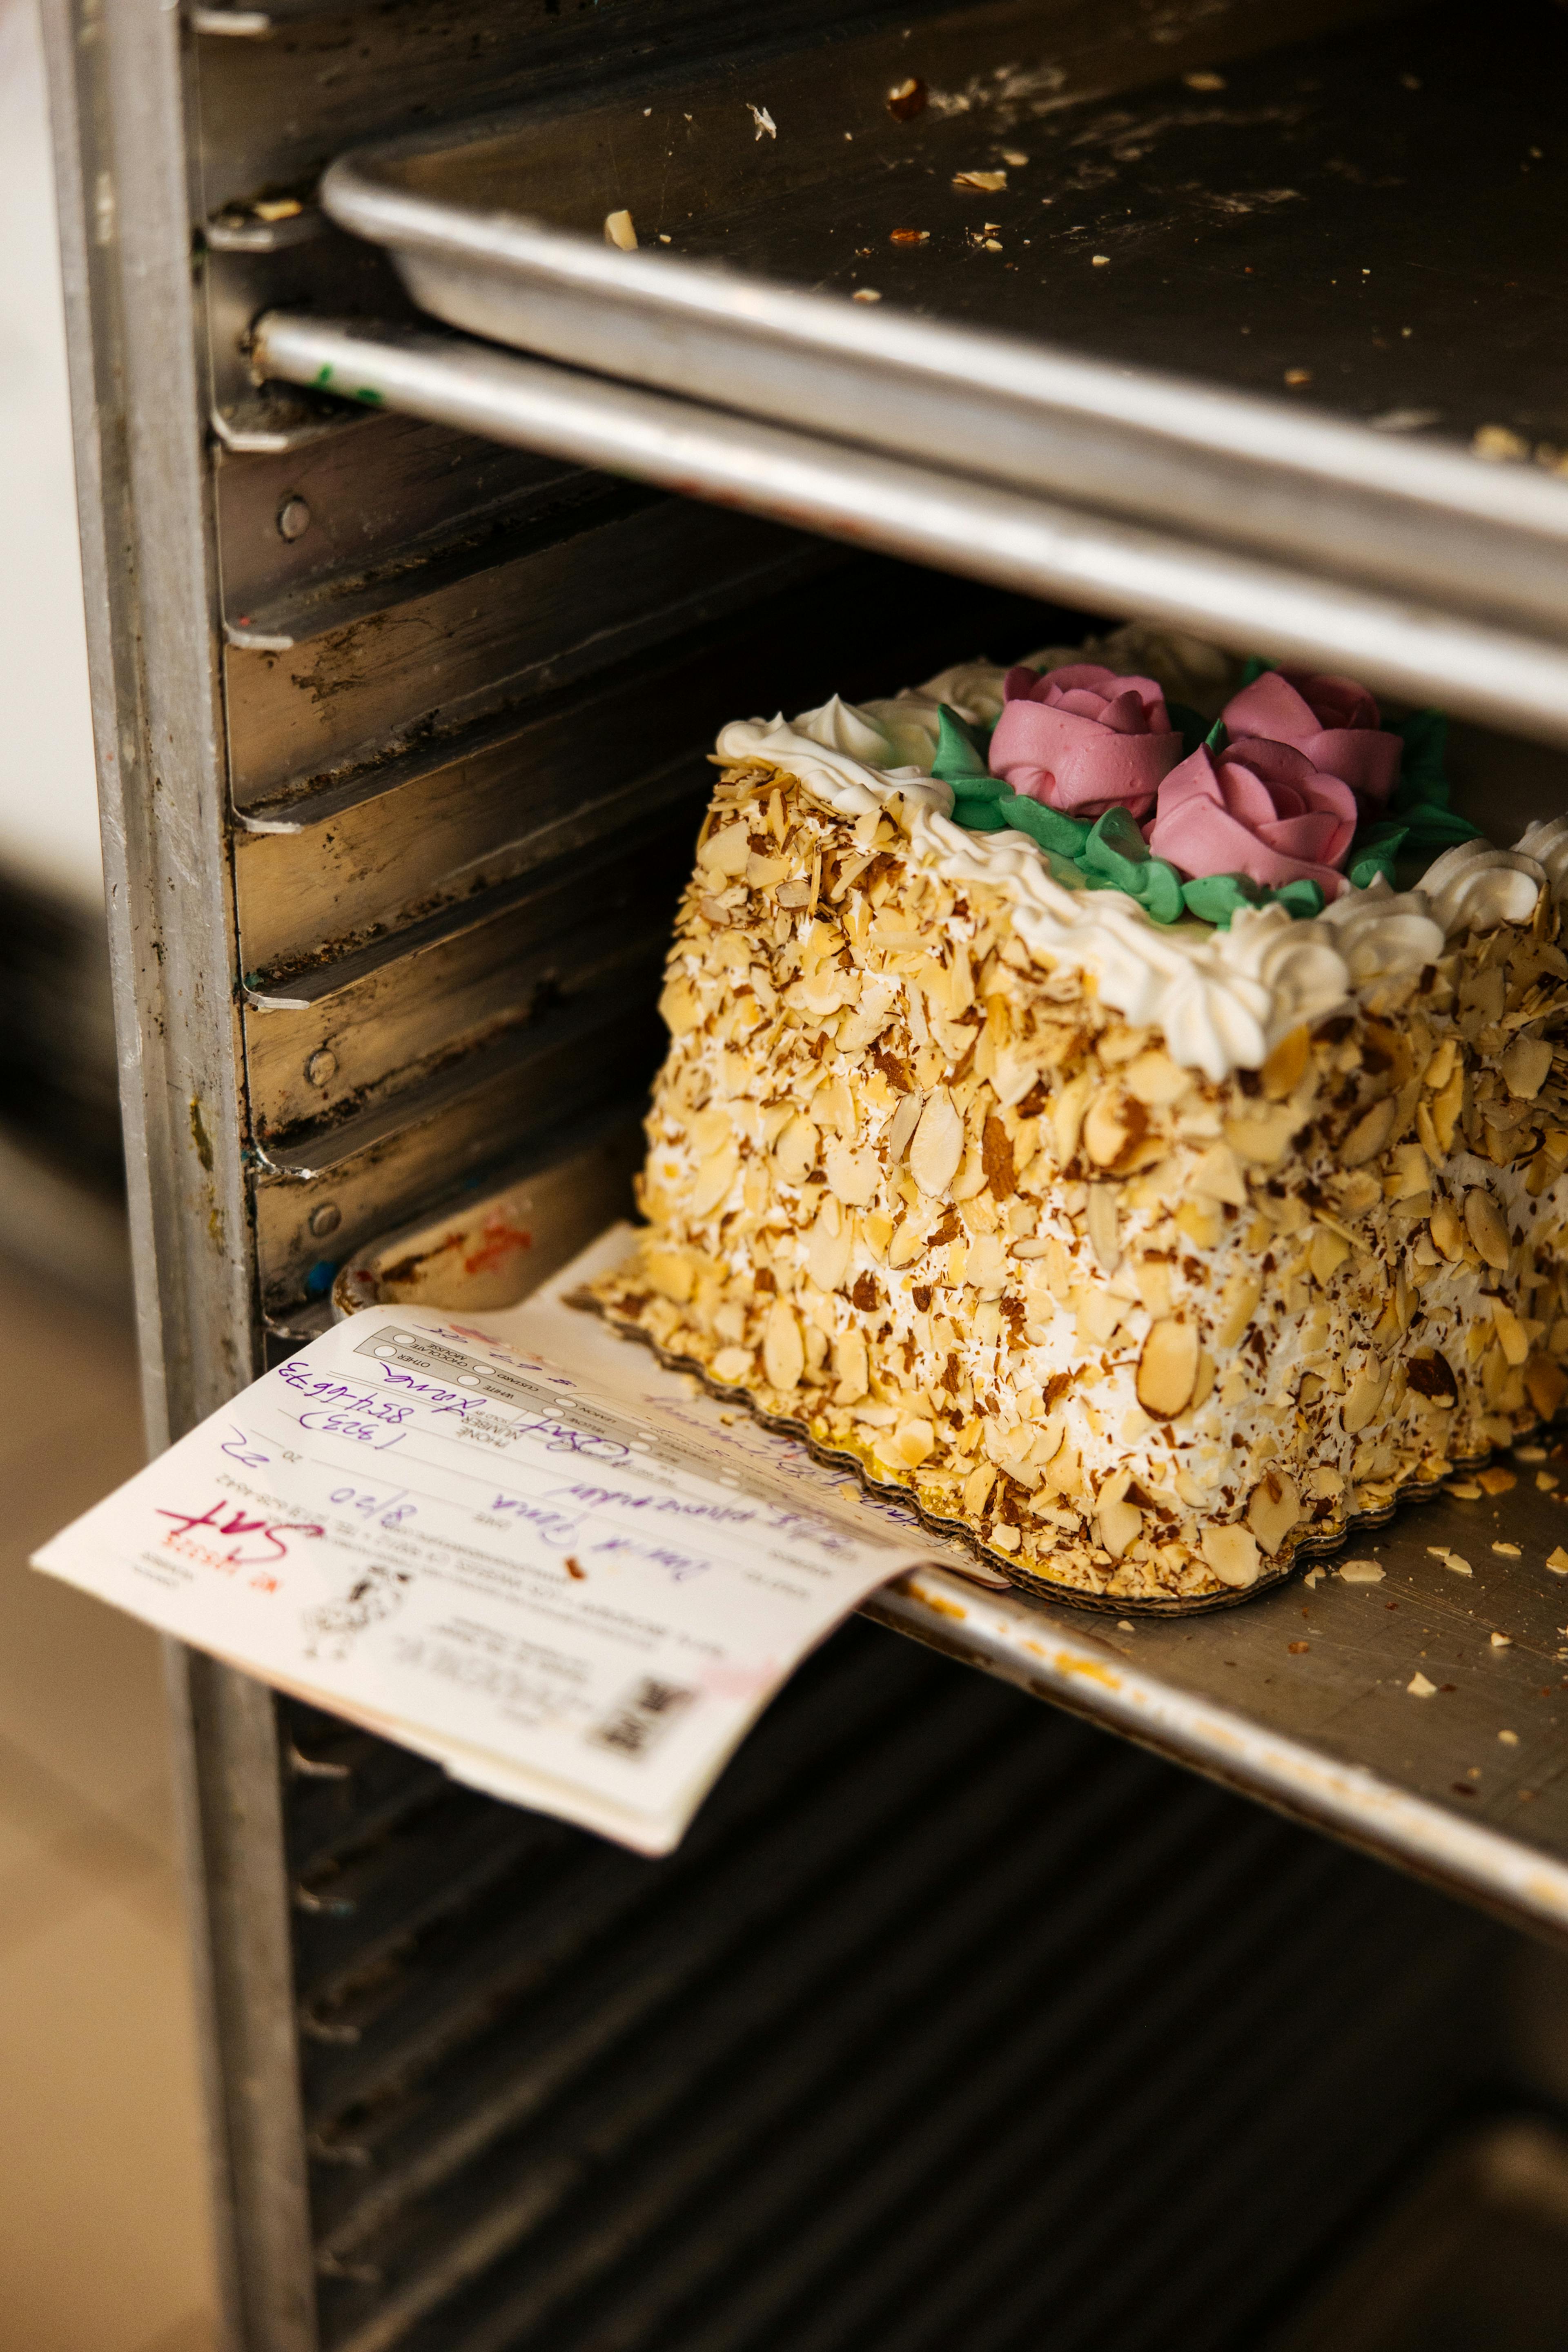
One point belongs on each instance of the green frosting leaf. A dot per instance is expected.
(1117, 857)
(980, 815)
(1058, 835)
(1419, 819)
(1253, 670)
(1303, 899)
(1214, 898)
(1189, 724)
(1218, 737)
(961, 754)
(1423, 770)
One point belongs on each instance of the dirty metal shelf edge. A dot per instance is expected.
(1058, 1658)
(953, 522)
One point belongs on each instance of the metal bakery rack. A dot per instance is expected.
(428, 536)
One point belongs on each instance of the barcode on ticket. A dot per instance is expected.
(642, 1717)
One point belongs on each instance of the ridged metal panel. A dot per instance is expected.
(950, 2023)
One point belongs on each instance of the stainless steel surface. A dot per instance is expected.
(119, 100)
(1079, 400)
(950, 2023)
(951, 521)
(379, 668)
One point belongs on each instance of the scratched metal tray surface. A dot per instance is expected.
(1258, 274)
(1384, 1711)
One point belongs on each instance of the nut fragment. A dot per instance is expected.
(1484, 1223)
(1447, 1230)
(1274, 1508)
(849, 1362)
(619, 231)
(1364, 1396)
(1547, 1384)
(828, 1257)
(1370, 1133)
(1232, 1554)
(783, 1349)
(1110, 1124)
(852, 1176)
(1218, 1177)
(1168, 1369)
(726, 851)
(794, 1153)
(938, 1144)
(1525, 1066)
(1238, 1301)
(1100, 1217)
(1121, 1525)
(1286, 1065)
(1153, 1079)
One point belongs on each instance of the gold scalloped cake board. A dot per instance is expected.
(954, 1531)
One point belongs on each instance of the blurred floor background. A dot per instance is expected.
(104, 2242)
(104, 2236)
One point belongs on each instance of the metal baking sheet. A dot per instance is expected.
(1261, 279)
(1301, 1697)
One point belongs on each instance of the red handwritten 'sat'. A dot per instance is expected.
(271, 1532)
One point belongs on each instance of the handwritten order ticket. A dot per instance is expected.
(513, 1543)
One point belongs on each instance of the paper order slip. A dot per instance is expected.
(513, 1542)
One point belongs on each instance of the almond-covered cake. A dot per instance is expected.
(1117, 1102)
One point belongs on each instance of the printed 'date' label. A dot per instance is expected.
(515, 1544)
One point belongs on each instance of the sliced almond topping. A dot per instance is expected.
(726, 851)
(1218, 1177)
(1168, 1369)
(794, 1153)
(714, 1179)
(1102, 1219)
(1273, 1509)
(1363, 1397)
(1546, 1383)
(670, 1274)
(1238, 1301)
(977, 1488)
(1121, 1525)
(1525, 1067)
(1153, 1079)
(1512, 1336)
(1447, 1230)
(1484, 1223)
(1370, 1134)
(849, 1362)
(938, 1145)
(1232, 1554)
(680, 1007)
(1067, 1115)
(852, 1176)
(1361, 1571)
(1286, 1065)
(783, 1349)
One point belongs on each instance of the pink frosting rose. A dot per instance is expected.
(1256, 808)
(1333, 720)
(1084, 741)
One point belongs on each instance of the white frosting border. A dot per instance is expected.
(1223, 999)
